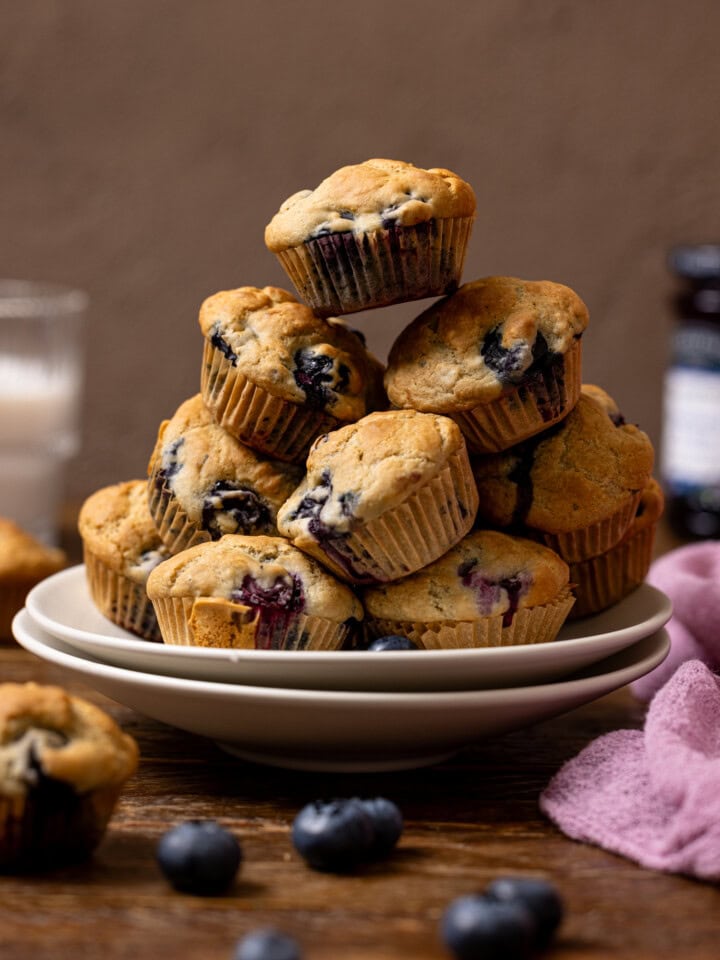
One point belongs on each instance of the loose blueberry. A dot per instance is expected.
(335, 835)
(387, 824)
(392, 642)
(479, 928)
(199, 856)
(267, 945)
(538, 896)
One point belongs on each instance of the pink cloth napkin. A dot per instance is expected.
(690, 576)
(652, 795)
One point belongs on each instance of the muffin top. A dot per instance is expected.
(606, 402)
(280, 345)
(485, 575)
(72, 741)
(256, 572)
(468, 348)
(23, 558)
(369, 196)
(115, 525)
(358, 472)
(222, 485)
(577, 473)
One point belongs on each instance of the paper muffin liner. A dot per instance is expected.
(120, 599)
(408, 537)
(595, 539)
(346, 272)
(542, 400)
(52, 825)
(540, 624)
(215, 622)
(278, 428)
(12, 599)
(603, 581)
(175, 528)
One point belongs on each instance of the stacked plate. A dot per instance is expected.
(344, 710)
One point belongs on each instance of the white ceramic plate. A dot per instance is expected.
(61, 605)
(337, 730)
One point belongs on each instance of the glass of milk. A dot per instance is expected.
(41, 328)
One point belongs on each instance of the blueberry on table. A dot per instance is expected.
(392, 642)
(333, 835)
(387, 824)
(475, 927)
(199, 856)
(538, 896)
(267, 945)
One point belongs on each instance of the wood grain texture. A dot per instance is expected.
(467, 821)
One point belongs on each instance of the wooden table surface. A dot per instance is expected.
(467, 821)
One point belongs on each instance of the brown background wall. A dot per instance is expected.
(145, 144)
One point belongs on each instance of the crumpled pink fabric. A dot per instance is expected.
(652, 795)
(690, 576)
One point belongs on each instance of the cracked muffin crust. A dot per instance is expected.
(374, 233)
(24, 562)
(576, 486)
(489, 589)
(203, 483)
(275, 375)
(63, 762)
(501, 355)
(121, 545)
(383, 497)
(251, 592)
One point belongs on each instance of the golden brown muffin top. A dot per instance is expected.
(367, 196)
(72, 740)
(23, 558)
(469, 347)
(222, 485)
(577, 473)
(243, 569)
(486, 574)
(115, 525)
(280, 345)
(358, 472)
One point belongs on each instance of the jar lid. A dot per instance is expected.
(700, 261)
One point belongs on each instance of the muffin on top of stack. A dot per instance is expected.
(292, 499)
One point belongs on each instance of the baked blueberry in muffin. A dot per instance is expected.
(374, 233)
(203, 483)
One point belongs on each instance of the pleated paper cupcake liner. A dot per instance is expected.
(120, 599)
(598, 538)
(273, 426)
(175, 528)
(345, 272)
(215, 622)
(603, 581)
(410, 536)
(539, 624)
(528, 409)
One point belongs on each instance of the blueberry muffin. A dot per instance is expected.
(373, 234)
(251, 593)
(576, 486)
(203, 483)
(24, 562)
(383, 497)
(120, 547)
(276, 376)
(63, 763)
(491, 589)
(602, 581)
(501, 356)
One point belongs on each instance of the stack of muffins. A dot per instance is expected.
(295, 504)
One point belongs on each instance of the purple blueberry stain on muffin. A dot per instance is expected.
(229, 507)
(489, 592)
(170, 464)
(276, 604)
(221, 344)
(319, 377)
(147, 561)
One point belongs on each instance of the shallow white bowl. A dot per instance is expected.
(61, 605)
(338, 730)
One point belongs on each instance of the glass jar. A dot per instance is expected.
(690, 463)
